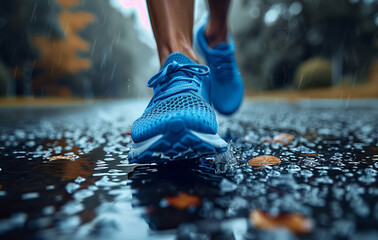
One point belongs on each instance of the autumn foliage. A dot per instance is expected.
(59, 56)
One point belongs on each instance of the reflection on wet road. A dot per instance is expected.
(299, 170)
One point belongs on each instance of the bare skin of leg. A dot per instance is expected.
(172, 23)
(216, 29)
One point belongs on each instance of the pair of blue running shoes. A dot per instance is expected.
(179, 122)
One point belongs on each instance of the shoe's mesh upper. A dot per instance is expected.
(226, 83)
(197, 114)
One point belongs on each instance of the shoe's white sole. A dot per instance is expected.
(177, 143)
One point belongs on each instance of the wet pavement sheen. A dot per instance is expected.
(64, 174)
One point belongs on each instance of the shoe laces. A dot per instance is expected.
(165, 84)
(223, 65)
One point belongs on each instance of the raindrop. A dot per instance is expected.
(371, 172)
(48, 210)
(100, 168)
(367, 179)
(271, 16)
(292, 168)
(79, 180)
(295, 8)
(307, 173)
(254, 12)
(71, 187)
(92, 188)
(324, 179)
(239, 178)
(227, 186)
(69, 224)
(82, 194)
(18, 219)
(315, 39)
(30, 144)
(274, 173)
(105, 182)
(31, 195)
(72, 207)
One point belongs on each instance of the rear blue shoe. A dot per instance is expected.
(178, 122)
(226, 84)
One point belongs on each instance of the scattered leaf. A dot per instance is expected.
(309, 154)
(183, 201)
(72, 157)
(283, 138)
(264, 160)
(294, 222)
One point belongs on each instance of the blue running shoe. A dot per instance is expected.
(226, 84)
(178, 122)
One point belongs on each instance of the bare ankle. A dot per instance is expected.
(216, 33)
(166, 50)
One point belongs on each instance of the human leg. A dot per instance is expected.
(216, 29)
(217, 47)
(172, 24)
(179, 122)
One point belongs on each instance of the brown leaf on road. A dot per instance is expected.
(283, 138)
(264, 160)
(183, 201)
(294, 222)
(308, 154)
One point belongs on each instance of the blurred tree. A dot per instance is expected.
(20, 20)
(70, 47)
(59, 55)
(118, 53)
(278, 35)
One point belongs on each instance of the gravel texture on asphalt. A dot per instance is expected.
(294, 170)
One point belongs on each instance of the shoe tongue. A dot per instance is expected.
(222, 46)
(179, 58)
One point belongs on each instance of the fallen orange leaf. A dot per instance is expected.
(294, 222)
(283, 138)
(264, 160)
(183, 201)
(309, 154)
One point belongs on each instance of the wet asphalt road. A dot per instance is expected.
(65, 175)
